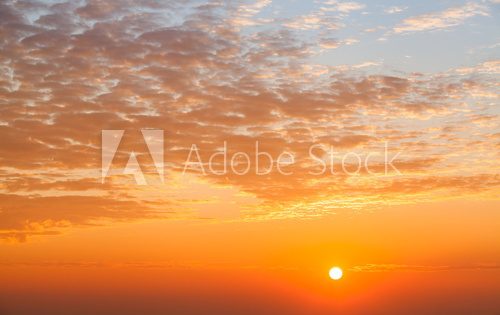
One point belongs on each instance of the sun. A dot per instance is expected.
(335, 273)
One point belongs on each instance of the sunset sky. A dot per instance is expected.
(275, 140)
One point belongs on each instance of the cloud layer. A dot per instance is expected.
(70, 70)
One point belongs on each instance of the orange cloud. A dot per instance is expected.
(76, 70)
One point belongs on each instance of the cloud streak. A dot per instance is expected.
(422, 268)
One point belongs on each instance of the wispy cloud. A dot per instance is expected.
(331, 43)
(312, 21)
(441, 20)
(422, 268)
(343, 7)
(395, 9)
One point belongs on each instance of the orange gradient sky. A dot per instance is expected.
(302, 88)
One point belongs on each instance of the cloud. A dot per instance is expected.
(36, 215)
(329, 43)
(366, 64)
(327, 17)
(487, 67)
(422, 268)
(245, 13)
(332, 43)
(313, 21)
(343, 7)
(441, 20)
(395, 9)
(71, 70)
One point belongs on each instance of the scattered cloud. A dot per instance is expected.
(491, 67)
(75, 70)
(244, 15)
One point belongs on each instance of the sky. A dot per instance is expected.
(219, 157)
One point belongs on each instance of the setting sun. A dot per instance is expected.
(336, 273)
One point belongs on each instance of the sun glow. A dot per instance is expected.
(335, 273)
